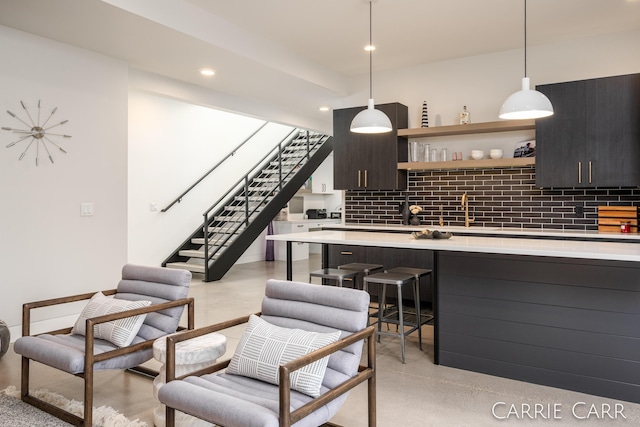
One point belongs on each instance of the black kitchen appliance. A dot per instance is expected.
(316, 213)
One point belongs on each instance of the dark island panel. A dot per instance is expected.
(608, 345)
(557, 316)
(563, 323)
(621, 275)
(576, 295)
(570, 362)
(554, 378)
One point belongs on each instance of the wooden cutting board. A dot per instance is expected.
(610, 217)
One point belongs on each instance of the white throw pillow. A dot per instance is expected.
(119, 332)
(265, 347)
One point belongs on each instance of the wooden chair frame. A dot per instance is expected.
(89, 358)
(365, 372)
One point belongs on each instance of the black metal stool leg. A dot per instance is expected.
(418, 305)
(381, 304)
(401, 320)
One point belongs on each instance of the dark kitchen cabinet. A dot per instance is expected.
(369, 161)
(593, 138)
(389, 258)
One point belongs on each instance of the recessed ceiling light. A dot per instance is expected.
(207, 71)
(324, 108)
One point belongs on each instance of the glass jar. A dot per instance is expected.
(427, 153)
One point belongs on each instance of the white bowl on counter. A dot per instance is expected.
(495, 153)
(477, 154)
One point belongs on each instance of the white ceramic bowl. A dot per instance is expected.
(477, 154)
(495, 153)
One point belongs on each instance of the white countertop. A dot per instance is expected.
(619, 251)
(525, 232)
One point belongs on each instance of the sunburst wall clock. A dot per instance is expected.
(37, 132)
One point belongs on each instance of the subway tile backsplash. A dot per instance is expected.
(501, 197)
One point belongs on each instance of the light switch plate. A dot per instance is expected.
(86, 209)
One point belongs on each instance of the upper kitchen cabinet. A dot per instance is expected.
(322, 178)
(593, 138)
(369, 161)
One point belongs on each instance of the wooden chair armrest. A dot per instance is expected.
(365, 372)
(27, 307)
(90, 323)
(137, 311)
(327, 350)
(174, 339)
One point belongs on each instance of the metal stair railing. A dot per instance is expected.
(251, 198)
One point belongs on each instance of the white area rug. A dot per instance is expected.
(104, 416)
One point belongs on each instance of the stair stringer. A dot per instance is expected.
(220, 266)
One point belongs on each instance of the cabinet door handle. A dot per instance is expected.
(579, 172)
(300, 225)
(365, 177)
(358, 177)
(590, 172)
(346, 253)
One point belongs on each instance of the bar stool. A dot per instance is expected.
(386, 316)
(418, 273)
(339, 275)
(364, 269)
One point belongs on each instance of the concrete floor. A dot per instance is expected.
(417, 393)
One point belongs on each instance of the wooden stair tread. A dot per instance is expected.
(186, 266)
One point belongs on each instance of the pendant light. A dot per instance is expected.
(526, 103)
(371, 120)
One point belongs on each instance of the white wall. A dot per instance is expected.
(47, 249)
(171, 145)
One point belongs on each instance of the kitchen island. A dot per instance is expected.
(563, 313)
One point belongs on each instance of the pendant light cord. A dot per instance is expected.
(370, 50)
(525, 38)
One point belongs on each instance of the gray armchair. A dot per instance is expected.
(165, 289)
(233, 400)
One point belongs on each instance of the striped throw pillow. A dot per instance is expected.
(265, 347)
(119, 332)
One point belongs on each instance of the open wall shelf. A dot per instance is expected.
(469, 129)
(469, 164)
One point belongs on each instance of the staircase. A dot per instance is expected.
(233, 222)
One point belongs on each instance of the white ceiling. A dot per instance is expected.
(302, 53)
(411, 32)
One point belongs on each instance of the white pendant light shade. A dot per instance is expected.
(371, 121)
(526, 104)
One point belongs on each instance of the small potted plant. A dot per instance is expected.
(415, 210)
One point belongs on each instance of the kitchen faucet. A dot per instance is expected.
(464, 205)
